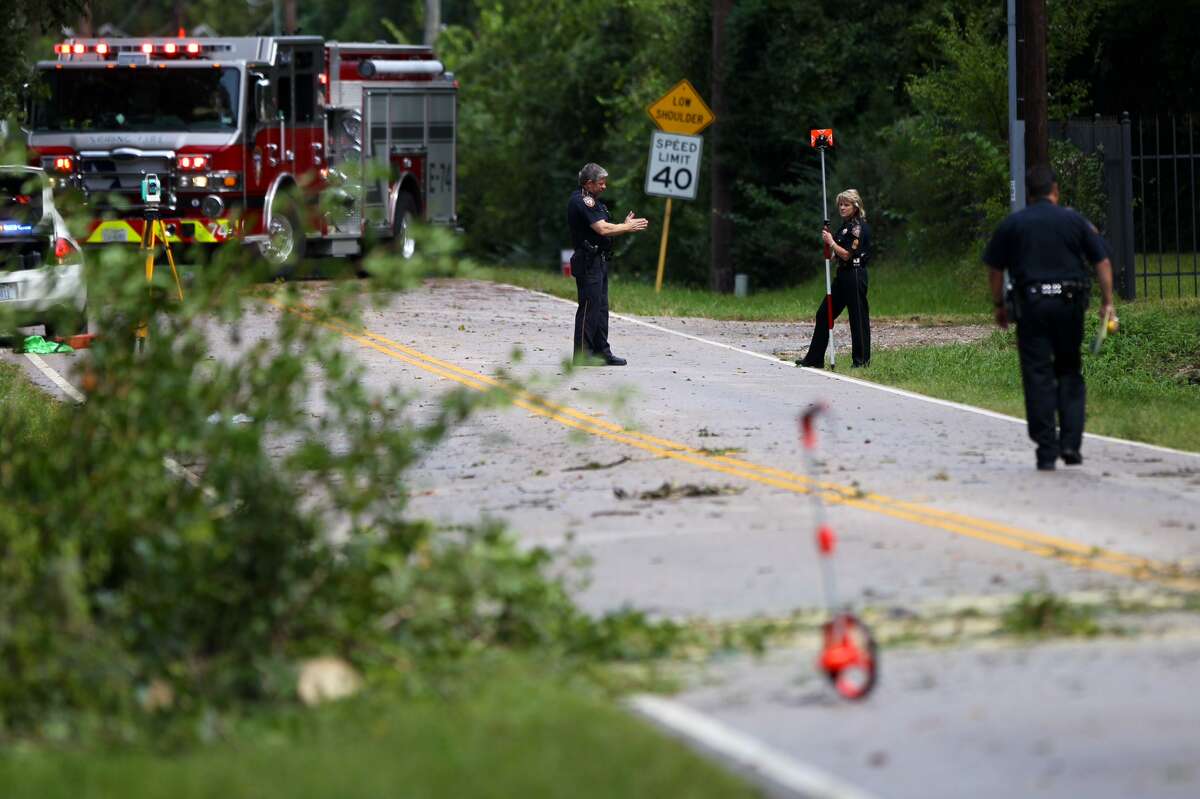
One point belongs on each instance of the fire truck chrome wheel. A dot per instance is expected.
(281, 243)
(404, 243)
(408, 246)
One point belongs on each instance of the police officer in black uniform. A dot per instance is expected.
(851, 250)
(1043, 247)
(591, 235)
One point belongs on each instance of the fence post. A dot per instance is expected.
(1128, 281)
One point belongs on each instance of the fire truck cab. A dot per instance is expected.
(298, 145)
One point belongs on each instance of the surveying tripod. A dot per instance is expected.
(154, 231)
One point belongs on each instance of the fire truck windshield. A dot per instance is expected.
(161, 100)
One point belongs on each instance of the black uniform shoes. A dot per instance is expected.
(599, 360)
(1070, 457)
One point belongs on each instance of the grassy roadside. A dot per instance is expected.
(512, 731)
(21, 399)
(1138, 385)
(953, 289)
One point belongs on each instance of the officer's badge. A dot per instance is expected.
(854, 245)
(590, 202)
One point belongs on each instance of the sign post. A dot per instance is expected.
(673, 170)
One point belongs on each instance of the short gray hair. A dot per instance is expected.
(591, 172)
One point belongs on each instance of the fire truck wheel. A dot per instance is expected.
(406, 211)
(284, 247)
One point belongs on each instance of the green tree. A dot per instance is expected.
(21, 38)
(546, 88)
(949, 171)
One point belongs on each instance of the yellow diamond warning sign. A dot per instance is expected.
(681, 110)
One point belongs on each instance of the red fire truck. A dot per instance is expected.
(292, 143)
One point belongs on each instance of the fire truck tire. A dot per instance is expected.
(406, 212)
(285, 244)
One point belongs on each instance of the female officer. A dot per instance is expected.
(851, 247)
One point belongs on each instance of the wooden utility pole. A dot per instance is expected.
(721, 270)
(289, 17)
(1033, 72)
(433, 21)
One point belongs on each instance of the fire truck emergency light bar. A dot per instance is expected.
(103, 51)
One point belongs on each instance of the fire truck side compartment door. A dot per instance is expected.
(441, 164)
(263, 141)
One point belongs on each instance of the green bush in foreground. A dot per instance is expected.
(221, 507)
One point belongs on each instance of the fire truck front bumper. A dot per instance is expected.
(179, 231)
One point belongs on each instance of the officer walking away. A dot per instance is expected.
(591, 235)
(851, 248)
(1043, 247)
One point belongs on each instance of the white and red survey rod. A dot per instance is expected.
(822, 139)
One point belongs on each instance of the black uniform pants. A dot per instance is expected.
(591, 317)
(1049, 337)
(849, 292)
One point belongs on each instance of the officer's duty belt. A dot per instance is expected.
(1055, 288)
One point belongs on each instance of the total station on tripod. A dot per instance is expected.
(154, 232)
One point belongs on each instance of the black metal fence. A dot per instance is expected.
(1153, 221)
(1165, 205)
(1110, 139)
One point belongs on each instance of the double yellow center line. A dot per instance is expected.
(1060, 549)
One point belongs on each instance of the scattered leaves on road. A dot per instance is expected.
(669, 490)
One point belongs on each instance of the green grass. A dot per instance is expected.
(20, 399)
(512, 733)
(1043, 614)
(930, 292)
(1137, 386)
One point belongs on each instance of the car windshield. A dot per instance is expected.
(20, 201)
(124, 99)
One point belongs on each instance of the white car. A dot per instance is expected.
(41, 265)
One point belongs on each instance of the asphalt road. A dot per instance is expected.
(680, 478)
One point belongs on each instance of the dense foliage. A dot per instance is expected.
(916, 91)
